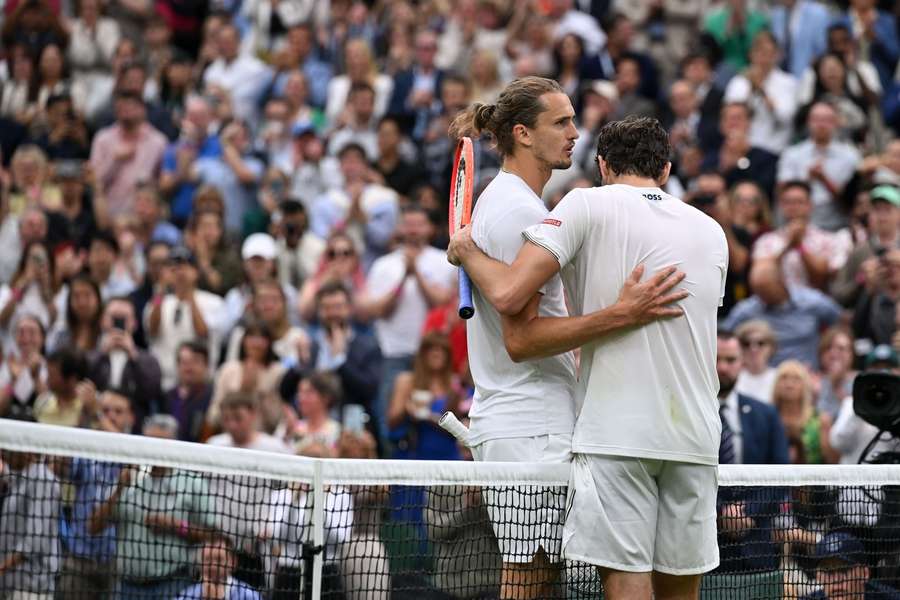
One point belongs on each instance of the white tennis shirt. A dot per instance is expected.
(514, 399)
(647, 392)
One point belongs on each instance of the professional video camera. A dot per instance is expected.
(876, 400)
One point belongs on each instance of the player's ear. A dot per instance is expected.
(522, 135)
(604, 170)
(665, 174)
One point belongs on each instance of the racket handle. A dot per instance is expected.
(454, 427)
(466, 309)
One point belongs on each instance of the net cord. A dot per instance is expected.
(112, 447)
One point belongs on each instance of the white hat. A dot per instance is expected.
(607, 89)
(259, 244)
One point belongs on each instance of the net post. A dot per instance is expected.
(318, 524)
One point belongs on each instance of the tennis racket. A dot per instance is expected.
(462, 187)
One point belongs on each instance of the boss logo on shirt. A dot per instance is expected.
(554, 222)
(655, 197)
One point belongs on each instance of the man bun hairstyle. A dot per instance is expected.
(518, 104)
(484, 113)
(635, 146)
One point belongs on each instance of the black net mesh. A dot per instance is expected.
(82, 528)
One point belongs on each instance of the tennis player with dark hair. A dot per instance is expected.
(642, 495)
(525, 411)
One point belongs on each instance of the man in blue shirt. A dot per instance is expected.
(796, 313)
(180, 175)
(301, 48)
(88, 564)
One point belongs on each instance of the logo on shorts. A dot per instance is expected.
(554, 222)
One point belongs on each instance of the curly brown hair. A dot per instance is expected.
(635, 146)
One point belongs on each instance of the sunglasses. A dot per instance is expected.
(754, 343)
(335, 253)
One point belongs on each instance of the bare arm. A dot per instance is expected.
(155, 317)
(99, 203)
(380, 308)
(435, 294)
(168, 181)
(103, 513)
(402, 391)
(306, 301)
(829, 452)
(528, 336)
(163, 524)
(738, 254)
(508, 288)
(199, 323)
(233, 159)
(816, 266)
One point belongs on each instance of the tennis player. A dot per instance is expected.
(642, 495)
(525, 412)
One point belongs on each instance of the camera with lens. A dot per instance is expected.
(876, 400)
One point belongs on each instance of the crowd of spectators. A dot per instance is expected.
(221, 221)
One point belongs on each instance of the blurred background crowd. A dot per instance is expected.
(205, 201)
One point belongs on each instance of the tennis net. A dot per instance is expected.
(85, 514)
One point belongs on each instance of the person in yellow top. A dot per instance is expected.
(70, 399)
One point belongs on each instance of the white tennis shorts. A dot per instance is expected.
(526, 518)
(641, 515)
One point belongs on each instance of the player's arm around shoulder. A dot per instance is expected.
(508, 287)
(528, 336)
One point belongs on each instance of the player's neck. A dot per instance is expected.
(534, 174)
(633, 181)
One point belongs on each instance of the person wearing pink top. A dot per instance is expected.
(126, 153)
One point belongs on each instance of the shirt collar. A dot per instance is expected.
(730, 402)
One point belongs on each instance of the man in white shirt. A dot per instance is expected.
(241, 499)
(770, 92)
(523, 412)
(357, 123)
(299, 249)
(243, 77)
(400, 290)
(240, 416)
(565, 18)
(828, 165)
(850, 435)
(182, 314)
(643, 485)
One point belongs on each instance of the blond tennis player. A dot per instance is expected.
(525, 411)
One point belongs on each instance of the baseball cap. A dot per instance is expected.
(887, 193)
(302, 128)
(840, 545)
(882, 353)
(261, 245)
(182, 254)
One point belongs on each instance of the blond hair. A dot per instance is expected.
(794, 368)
